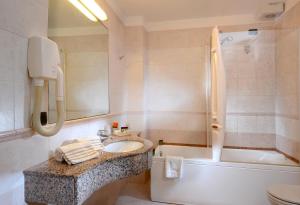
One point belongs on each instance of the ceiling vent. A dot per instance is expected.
(271, 10)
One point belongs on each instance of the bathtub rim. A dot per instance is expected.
(229, 164)
(162, 143)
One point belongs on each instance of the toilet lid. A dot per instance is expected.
(288, 193)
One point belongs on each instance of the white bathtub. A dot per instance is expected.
(205, 182)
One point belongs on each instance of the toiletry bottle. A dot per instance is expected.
(124, 128)
(115, 126)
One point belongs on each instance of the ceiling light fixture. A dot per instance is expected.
(97, 11)
(90, 9)
(83, 10)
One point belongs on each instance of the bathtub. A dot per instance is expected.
(238, 181)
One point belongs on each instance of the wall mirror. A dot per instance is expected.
(83, 48)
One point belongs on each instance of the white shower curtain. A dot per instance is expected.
(218, 95)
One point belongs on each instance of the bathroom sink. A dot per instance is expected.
(123, 146)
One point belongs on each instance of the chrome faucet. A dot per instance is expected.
(103, 134)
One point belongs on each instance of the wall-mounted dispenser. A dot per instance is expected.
(43, 64)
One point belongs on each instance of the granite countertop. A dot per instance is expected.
(53, 182)
(54, 168)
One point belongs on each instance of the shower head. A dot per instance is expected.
(226, 39)
(238, 38)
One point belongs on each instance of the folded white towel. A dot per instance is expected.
(59, 155)
(95, 141)
(72, 147)
(81, 158)
(76, 151)
(173, 167)
(97, 145)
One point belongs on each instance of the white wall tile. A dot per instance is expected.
(247, 124)
(20, 19)
(266, 124)
(6, 106)
(231, 124)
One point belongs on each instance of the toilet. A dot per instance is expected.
(283, 194)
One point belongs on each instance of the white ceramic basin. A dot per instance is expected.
(123, 146)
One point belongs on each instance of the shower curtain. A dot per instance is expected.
(218, 96)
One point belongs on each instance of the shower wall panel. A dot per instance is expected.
(287, 83)
(250, 73)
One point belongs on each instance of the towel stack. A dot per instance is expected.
(95, 142)
(77, 151)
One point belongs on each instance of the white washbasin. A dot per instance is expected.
(123, 146)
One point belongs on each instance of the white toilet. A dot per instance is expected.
(283, 194)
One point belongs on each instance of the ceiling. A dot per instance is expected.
(165, 14)
(168, 10)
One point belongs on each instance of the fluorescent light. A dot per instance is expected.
(83, 10)
(92, 6)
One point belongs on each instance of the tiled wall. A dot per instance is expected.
(176, 85)
(166, 83)
(20, 19)
(135, 40)
(287, 83)
(250, 79)
(263, 90)
(17, 22)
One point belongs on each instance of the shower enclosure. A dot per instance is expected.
(262, 97)
(261, 134)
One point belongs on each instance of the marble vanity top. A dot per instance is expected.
(53, 182)
(52, 167)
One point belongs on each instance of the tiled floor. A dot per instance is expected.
(136, 194)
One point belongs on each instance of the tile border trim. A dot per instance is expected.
(28, 132)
